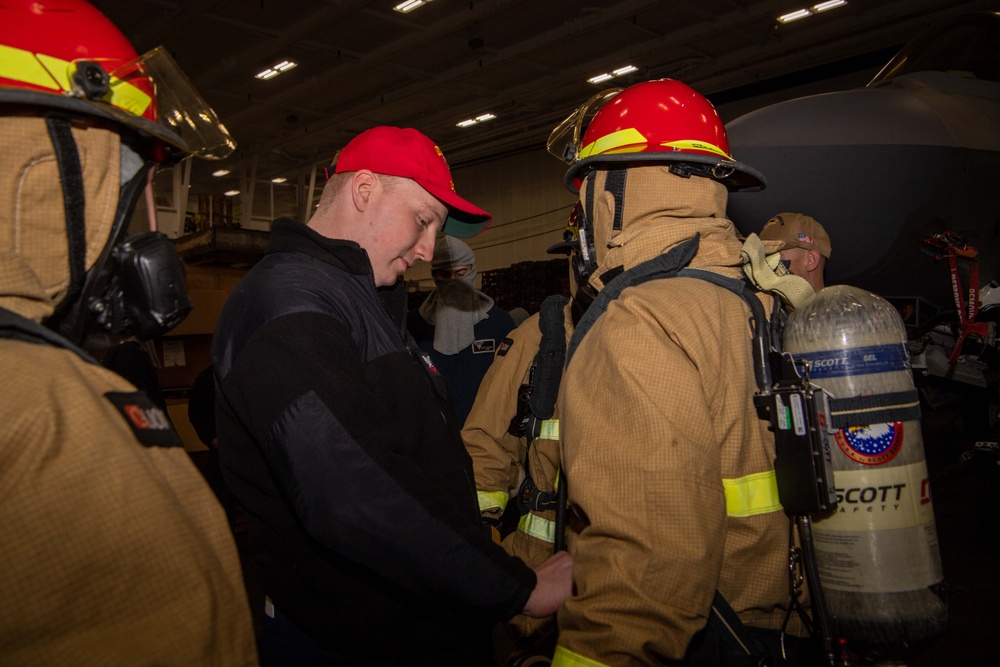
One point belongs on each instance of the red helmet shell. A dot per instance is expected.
(661, 121)
(657, 117)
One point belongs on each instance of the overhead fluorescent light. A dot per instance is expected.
(279, 179)
(831, 4)
(481, 118)
(621, 71)
(231, 193)
(794, 16)
(816, 9)
(220, 172)
(275, 70)
(409, 6)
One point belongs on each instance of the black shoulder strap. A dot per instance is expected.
(16, 327)
(661, 266)
(550, 357)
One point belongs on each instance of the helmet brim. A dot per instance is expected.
(88, 108)
(737, 177)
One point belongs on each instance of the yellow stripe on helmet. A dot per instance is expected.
(127, 97)
(694, 145)
(629, 140)
(44, 71)
(58, 69)
(21, 65)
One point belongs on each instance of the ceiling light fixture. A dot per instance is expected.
(621, 71)
(231, 193)
(409, 6)
(815, 9)
(279, 179)
(275, 70)
(220, 172)
(469, 122)
(794, 16)
(831, 4)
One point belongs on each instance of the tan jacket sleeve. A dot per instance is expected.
(497, 456)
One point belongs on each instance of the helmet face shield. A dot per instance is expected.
(178, 106)
(565, 140)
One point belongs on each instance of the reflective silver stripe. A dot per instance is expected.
(537, 527)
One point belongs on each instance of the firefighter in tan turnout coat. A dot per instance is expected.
(669, 467)
(115, 551)
(512, 435)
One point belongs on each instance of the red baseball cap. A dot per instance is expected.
(408, 153)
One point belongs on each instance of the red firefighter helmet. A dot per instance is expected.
(655, 121)
(67, 54)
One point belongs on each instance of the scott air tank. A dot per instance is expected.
(877, 554)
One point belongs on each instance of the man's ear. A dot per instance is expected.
(812, 260)
(362, 187)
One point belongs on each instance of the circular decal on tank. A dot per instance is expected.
(871, 445)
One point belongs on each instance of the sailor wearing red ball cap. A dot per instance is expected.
(337, 435)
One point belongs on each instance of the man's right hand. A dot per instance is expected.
(554, 586)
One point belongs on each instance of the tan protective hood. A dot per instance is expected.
(662, 210)
(34, 255)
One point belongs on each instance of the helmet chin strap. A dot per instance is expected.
(71, 178)
(150, 201)
(73, 318)
(585, 263)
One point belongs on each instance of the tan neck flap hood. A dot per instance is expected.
(34, 255)
(662, 210)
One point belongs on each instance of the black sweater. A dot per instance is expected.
(339, 443)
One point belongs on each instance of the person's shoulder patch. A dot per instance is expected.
(484, 346)
(149, 424)
(505, 346)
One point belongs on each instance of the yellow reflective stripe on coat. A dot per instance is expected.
(44, 71)
(548, 430)
(492, 499)
(753, 494)
(538, 527)
(565, 658)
